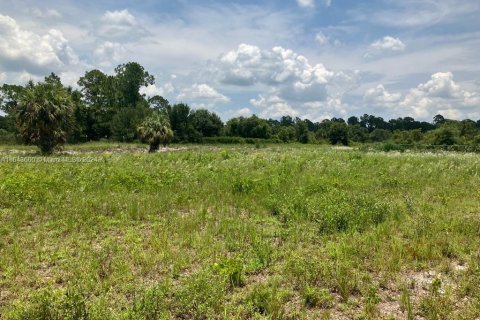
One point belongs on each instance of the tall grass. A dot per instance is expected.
(280, 232)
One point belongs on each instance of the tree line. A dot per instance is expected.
(111, 107)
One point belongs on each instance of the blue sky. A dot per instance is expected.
(307, 58)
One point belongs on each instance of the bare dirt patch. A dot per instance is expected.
(342, 148)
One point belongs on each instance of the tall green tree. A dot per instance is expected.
(9, 97)
(45, 115)
(100, 97)
(444, 136)
(302, 132)
(181, 125)
(160, 104)
(130, 77)
(207, 123)
(338, 133)
(126, 120)
(251, 127)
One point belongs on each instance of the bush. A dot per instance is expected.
(238, 140)
(387, 147)
(7, 137)
(52, 305)
(444, 136)
(200, 296)
(151, 305)
(223, 140)
(45, 115)
(355, 215)
(314, 297)
(267, 300)
(232, 270)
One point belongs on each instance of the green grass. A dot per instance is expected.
(277, 232)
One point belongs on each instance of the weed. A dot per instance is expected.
(406, 302)
(232, 270)
(267, 299)
(314, 297)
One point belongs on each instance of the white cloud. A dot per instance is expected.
(321, 38)
(123, 17)
(152, 90)
(46, 13)
(380, 96)
(441, 94)
(441, 85)
(327, 41)
(202, 94)
(388, 43)
(311, 3)
(451, 113)
(289, 73)
(306, 3)
(289, 84)
(273, 107)
(120, 25)
(244, 112)
(109, 53)
(25, 50)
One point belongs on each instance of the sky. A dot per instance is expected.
(312, 59)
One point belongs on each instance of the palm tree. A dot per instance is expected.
(45, 114)
(155, 130)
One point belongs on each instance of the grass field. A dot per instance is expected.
(279, 232)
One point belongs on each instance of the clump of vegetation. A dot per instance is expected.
(45, 114)
(232, 270)
(268, 300)
(156, 131)
(315, 297)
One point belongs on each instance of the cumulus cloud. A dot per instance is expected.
(388, 43)
(244, 112)
(290, 84)
(441, 85)
(163, 90)
(306, 3)
(109, 53)
(441, 94)
(327, 41)
(311, 3)
(202, 94)
(320, 110)
(119, 17)
(321, 38)
(120, 25)
(385, 45)
(25, 50)
(273, 106)
(289, 73)
(380, 96)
